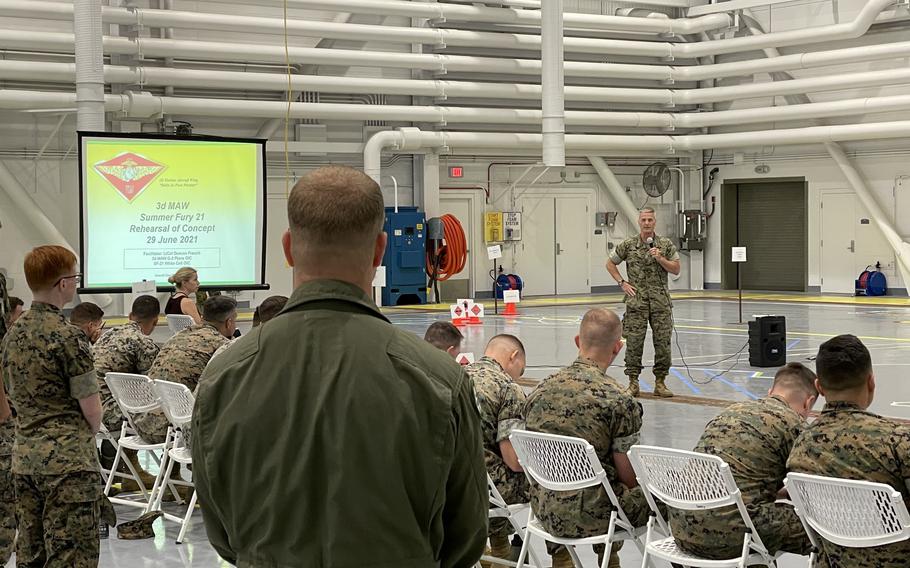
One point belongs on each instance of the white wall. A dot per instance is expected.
(882, 173)
(579, 180)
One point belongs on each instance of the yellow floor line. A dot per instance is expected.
(726, 295)
(801, 333)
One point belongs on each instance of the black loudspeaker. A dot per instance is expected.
(768, 341)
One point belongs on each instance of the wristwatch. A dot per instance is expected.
(621, 282)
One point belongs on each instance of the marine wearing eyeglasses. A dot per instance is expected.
(48, 368)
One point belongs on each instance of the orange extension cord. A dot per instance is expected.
(453, 254)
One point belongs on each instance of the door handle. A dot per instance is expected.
(852, 247)
(558, 249)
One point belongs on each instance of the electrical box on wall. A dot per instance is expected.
(693, 227)
(605, 219)
(511, 225)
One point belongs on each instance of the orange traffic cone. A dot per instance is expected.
(510, 310)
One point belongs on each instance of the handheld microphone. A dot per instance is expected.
(650, 241)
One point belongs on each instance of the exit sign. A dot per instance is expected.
(456, 172)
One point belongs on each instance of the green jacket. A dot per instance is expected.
(330, 438)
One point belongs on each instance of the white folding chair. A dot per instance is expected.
(693, 482)
(177, 403)
(563, 463)
(134, 394)
(845, 512)
(499, 509)
(178, 322)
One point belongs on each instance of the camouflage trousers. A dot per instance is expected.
(513, 486)
(719, 534)
(635, 328)
(112, 417)
(888, 556)
(7, 510)
(58, 520)
(152, 426)
(584, 513)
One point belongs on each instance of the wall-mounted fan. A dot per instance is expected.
(656, 179)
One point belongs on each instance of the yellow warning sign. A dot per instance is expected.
(492, 227)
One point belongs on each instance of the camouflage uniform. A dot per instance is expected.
(851, 443)
(7, 432)
(181, 360)
(47, 364)
(754, 438)
(123, 349)
(500, 402)
(650, 304)
(582, 401)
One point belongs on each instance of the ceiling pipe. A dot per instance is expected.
(553, 124)
(615, 189)
(161, 76)
(410, 140)
(511, 15)
(459, 38)
(856, 180)
(89, 65)
(219, 51)
(144, 105)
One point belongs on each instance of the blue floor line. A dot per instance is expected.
(685, 381)
(644, 385)
(736, 387)
(793, 343)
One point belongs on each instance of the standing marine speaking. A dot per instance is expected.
(648, 259)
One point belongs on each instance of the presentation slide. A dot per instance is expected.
(152, 205)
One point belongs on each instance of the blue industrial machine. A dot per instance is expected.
(405, 257)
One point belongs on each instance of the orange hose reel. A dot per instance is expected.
(453, 254)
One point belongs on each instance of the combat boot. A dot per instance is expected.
(614, 559)
(633, 389)
(500, 547)
(562, 559)
(660, 388)
(130, 485)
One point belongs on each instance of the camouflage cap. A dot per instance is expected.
(139, 528)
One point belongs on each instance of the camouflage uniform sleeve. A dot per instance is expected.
(670, 251)
(79, 366)
(145, 354)
(511, 414)
(620, 252)
(903, 453)
(625, 424)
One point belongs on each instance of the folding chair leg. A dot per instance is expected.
(186, 519)
(609, 544)
(745, 553)
(525, 545)
(644, 555)
(110, 479)
(574, 555)
(161, 483)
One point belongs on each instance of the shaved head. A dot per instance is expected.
(509, 352)
(600, 329)
(504, 343)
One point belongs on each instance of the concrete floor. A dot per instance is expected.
(706, 333)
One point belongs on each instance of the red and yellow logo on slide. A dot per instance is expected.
(129, 173)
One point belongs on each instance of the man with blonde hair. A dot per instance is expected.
(47, 365)
(372, 432)
(583, 401)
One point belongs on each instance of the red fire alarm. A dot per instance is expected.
(456, 172)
